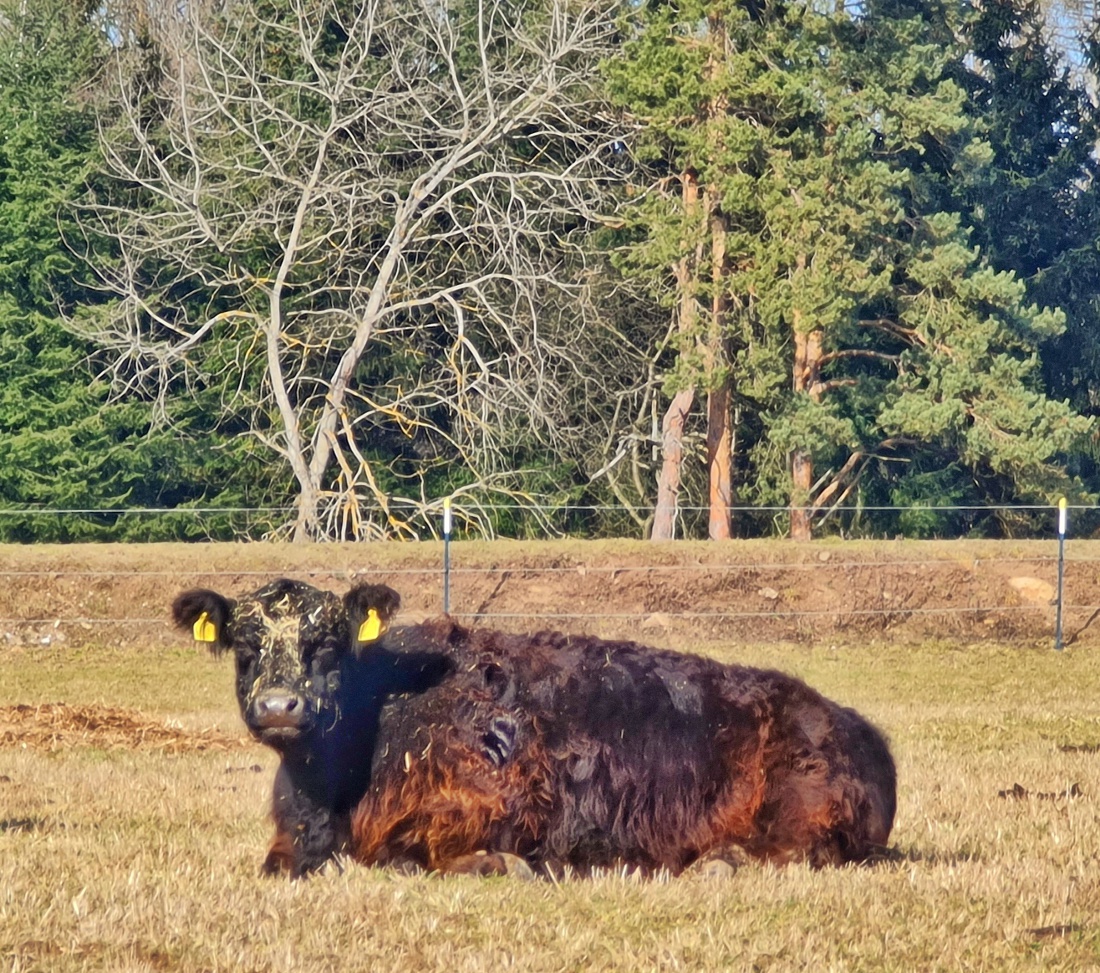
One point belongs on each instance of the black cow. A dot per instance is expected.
(450, 749)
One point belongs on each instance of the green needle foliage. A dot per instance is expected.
(869, 336)
(61, 444)
(65, 443)
(1037, 209)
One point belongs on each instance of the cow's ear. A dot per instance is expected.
(206, 614)
(370, 607)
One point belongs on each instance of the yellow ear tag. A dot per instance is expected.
(205, 630)
(372, 626)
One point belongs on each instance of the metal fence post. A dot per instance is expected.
(447, 556)
(1061, 572)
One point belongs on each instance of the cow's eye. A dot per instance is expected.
(245, 657)
(324, 658)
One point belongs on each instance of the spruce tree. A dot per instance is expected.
(65, 443)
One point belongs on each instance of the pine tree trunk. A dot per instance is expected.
(802, 478)
(719, 463)
(672, 456)
(672, 427)
(719, 381)
(807, 367)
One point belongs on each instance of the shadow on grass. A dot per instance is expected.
(19, 825)
(894, 858)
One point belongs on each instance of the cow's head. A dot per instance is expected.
(290, 641)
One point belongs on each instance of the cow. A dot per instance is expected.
(451, 749)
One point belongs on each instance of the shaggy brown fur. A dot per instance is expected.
(435, 744)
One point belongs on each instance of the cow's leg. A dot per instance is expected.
(839, 810)
(459, 828)
(280, 856)
(307, 833)
(817, 815)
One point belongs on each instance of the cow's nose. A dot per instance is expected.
(278, 708)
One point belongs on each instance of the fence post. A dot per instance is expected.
(446, 555)
(1061, 572)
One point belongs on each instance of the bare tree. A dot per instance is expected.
(1070, 23)
(363, 216)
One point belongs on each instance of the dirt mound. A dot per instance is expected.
(57, 726)
(735, 591)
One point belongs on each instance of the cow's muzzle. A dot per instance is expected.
(279, 716)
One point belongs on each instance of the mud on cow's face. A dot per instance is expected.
(289, 640)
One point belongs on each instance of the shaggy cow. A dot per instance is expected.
(450, 749)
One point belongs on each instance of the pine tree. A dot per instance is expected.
(863, 327)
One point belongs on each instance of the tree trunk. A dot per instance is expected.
(306, 523)
(719, 462)
(807, 367)
(672, 428)
(719, 433)
(802, 478)
(672, 455)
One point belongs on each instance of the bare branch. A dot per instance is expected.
(348, 205)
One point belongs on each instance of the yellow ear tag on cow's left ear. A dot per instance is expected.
(372, 627)
(205, 630)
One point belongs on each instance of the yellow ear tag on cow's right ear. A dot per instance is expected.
(372, 627)
(205, 630)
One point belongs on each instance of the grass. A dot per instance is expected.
(133, 859)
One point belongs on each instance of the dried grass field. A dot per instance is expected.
(133, 819)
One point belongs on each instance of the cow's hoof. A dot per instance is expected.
(489, 863)
(276, 864)
(405, 866)
(722, 863)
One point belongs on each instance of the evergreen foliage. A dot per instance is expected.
(1037, 211)
(877, 229)
(871, 335)
(65, 442)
